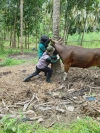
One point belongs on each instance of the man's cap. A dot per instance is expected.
(50, 50)
(44, 39)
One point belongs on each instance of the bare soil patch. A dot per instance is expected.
(25, 56)
(49, 103)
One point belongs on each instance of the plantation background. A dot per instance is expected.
(22, 23)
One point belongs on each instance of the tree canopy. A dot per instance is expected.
(76, 16)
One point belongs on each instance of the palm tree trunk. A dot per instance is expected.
(21, 29)
(56, 18)
(56, 21)
(84, 29)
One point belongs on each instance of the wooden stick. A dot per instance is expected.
(22, 103)
(5, 105)
(27, 104)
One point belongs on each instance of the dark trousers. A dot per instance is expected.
(46, 70)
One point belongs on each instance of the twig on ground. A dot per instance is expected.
(10, 116)
(27, 104)
(29, 112)
(22, 103)
(51, 124)
(80, 102)
(43, 104)
(4, 104)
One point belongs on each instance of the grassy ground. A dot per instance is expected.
(6, 61)
(86, 125)
(89, 38)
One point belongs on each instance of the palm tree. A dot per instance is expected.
(21, 24)
(56, 25)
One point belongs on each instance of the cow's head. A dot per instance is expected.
(54, 44)
(58, 42)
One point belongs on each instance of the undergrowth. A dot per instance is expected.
(11, 62)
(86, 125)
(6, 61)
(90, 40)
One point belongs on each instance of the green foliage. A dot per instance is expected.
(11, 62)
(7, 61)
(14, 126)
(37, 17)
(4, 51)
(89, 39)
(86, 125)
(8, 124)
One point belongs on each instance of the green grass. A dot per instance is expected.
(86, 125)
(6, 61)
(76, 38)
(11, 62)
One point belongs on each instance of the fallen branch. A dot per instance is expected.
(22, 103)
(51, 124)
(4, 104)
(45, 108)
(29, 112)
(94, 87)
(10, 116)
(19, 116)
(27, 104)
(31, 119)
(43, 104)
(76, 101)
(35, 118)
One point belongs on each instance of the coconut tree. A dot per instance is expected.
(56, 25)
(21, 23)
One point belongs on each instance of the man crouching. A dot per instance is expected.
(42, 65)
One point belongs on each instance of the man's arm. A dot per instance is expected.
(52, 59)
(42, 47)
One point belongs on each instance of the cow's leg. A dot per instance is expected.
(66, 68)
(65, 76)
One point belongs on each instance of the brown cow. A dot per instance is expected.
(76, 56)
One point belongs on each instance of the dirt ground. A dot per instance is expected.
(49, 103)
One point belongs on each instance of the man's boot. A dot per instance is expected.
(28, 78)
(48, 80)
(48, 75)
